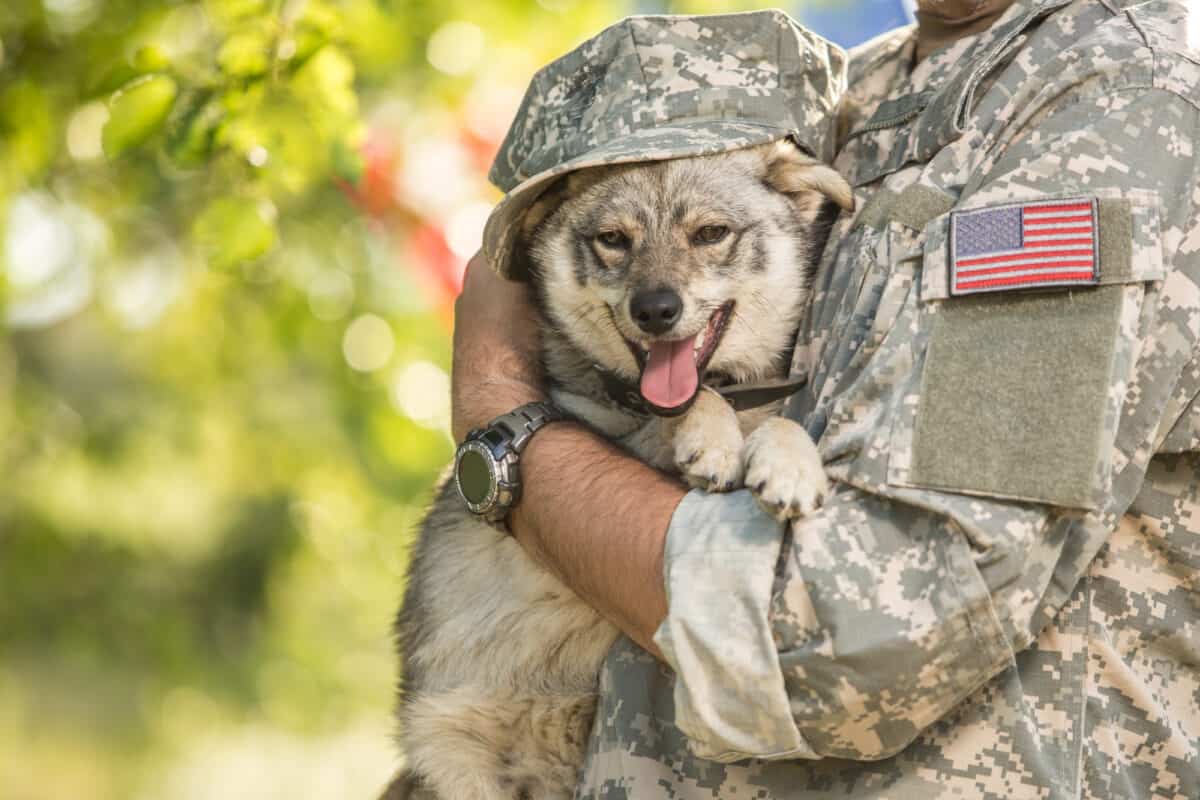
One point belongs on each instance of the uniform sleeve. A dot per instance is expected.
(863, 624)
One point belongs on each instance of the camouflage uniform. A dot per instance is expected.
(1000, 598)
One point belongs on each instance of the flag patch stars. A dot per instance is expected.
(1024, 246)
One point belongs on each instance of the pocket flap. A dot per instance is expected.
(1128, 248)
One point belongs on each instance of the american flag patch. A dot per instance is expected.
(1024, 246)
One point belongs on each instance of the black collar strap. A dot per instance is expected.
(741, 396)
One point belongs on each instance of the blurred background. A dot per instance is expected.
(231, 232)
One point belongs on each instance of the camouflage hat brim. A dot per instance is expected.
(651, 144)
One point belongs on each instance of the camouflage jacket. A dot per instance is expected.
(1000, 598)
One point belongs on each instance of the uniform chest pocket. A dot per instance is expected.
(887, 263)
(893, 264)
(866, 334)
(1017, 393)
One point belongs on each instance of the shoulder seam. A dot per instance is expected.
(1156, 87)
(1161, 52)
(1141, 32)
(1145, 41)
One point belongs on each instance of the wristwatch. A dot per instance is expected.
(486, 465)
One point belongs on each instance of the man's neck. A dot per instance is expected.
(940, 22)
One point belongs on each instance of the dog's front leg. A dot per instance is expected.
(784, 470)
(708, 444)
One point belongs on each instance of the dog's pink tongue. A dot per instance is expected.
(670, 378)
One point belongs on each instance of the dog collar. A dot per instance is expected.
(741, 396)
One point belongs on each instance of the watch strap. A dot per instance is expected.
(523, 422)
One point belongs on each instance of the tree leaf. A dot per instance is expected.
(191, 129)
(234, 10)
(233, 230)
(348, 162)
(245, 54)
(136, 112)
(150, 58)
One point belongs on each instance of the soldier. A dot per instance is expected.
(998, 599)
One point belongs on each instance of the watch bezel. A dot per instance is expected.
(487, 504)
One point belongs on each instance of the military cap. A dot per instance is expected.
(651, 88)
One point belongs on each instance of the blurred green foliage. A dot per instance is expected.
(214, 329)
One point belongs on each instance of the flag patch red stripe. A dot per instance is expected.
(1053, 220)
(1055, 265)
(967, 275)
(1029, 280)
(1034, 207)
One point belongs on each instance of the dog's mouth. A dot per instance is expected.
(672, 370)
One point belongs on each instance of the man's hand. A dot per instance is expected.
(496, 364)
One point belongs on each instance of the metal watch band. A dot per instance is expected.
(524, 421)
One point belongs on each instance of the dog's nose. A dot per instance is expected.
(656, 310)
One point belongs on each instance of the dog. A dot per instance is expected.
(670, 278)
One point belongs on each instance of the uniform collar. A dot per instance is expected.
(930, 109)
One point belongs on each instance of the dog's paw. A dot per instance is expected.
(709, 445)
(784, 470)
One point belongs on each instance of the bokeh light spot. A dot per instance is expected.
(455, 48)
(330, 295)
(142, 290)
(436, 175)
(421, 391)
(493, 102)
(49, 250)
(83, 131)
(464, 229)
(40, 240)
(70, 16)
(368, 343)
(286, 49)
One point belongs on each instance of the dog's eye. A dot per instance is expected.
(711, 234)
(614, 240)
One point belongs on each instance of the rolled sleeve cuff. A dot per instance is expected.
(719, 565)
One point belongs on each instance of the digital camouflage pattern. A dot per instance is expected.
(969, 639)
(657, 87)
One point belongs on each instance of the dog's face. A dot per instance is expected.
(670, 273)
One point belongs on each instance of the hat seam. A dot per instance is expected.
(637, 51)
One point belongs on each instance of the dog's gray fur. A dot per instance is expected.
(500, 660)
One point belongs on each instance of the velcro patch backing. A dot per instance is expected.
(1013, 396)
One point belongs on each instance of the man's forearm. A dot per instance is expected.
(598, 519)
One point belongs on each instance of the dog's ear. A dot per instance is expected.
(547, 203)
(541, 209)
(570, 185)
(538, 212)
(791, 171)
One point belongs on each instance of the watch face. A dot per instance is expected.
(474, 476)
